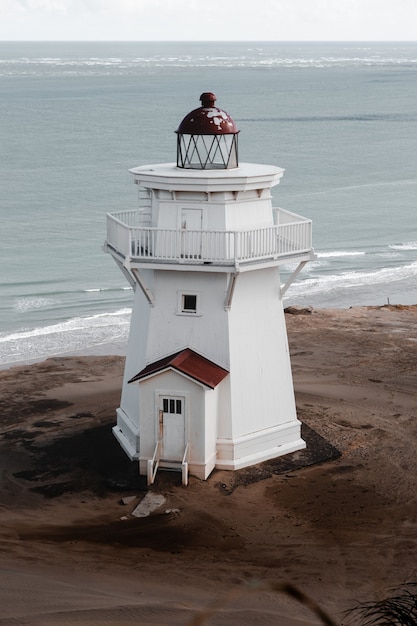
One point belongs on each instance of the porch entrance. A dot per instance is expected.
(172, 428)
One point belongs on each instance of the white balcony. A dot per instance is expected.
(290, 239)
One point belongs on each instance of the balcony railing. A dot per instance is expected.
(290, 237)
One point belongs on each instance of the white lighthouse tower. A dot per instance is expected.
(208, 377)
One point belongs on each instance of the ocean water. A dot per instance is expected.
(340, 118)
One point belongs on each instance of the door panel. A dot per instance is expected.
(191, 222)
(172, 427)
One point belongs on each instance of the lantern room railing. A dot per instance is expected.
(291, 236)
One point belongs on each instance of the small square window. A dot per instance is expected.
(189, 303)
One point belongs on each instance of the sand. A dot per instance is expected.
(338, 522)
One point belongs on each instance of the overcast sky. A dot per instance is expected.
(277, 20)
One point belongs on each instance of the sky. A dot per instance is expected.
(208, 20)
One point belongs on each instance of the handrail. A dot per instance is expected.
(289, 236)
(184, 466)
(153, 463)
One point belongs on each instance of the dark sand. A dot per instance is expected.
(339, 521)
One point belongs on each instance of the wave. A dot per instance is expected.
(354, 279)
(254, 59)
(75, 334)
(32, 303)
(339, 253)
(390, 252)
(75, 323)
(411, 245)
(106, 289)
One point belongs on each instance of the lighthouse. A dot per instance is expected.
(207, 381)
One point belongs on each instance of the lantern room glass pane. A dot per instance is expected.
(207, 151)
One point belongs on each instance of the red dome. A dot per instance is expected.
(207, 120)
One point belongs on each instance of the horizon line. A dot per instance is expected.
(70, 40)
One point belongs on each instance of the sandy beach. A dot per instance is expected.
(338, 521)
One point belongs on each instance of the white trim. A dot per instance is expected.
(171, 178)
(169, 368)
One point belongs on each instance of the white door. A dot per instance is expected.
(191, 222)
(172, 427)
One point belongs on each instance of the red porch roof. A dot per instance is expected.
(189, 363)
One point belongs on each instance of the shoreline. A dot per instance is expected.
(341, 530)
(118, 348)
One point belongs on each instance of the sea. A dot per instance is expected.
(341, 118)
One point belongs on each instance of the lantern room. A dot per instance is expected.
(207, 138)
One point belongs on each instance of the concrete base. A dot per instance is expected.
(127, 435)
(233, 454)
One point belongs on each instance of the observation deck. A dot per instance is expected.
(289, 240)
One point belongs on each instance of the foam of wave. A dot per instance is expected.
(78, 333)
(388, 255)
(130, 65)
(103, 289)
(100, 320)
(349, 280)
(32, 303)
(411, 245)
(339, 253)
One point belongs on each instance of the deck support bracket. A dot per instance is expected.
(292, 277)
(125, 272)
(141, 282)
(230, 290)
